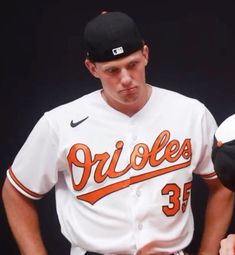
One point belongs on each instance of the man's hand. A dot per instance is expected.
(227, 245)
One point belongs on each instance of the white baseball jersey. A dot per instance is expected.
(122, 183)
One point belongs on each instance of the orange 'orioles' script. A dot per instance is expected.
(171, 151)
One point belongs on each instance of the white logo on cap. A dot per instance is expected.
(117, 51)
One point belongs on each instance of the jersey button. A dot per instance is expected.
(138, 193)
(134, 137)
(140, 226)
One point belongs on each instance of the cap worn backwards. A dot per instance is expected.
(223, 152)
(110, 36)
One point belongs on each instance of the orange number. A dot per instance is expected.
(186, 194)
(174, 193)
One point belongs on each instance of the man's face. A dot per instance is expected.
(123, 80)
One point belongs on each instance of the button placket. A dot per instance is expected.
(138, 193)
(140, 226)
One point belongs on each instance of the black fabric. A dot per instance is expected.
(223, 157)
(110, 36)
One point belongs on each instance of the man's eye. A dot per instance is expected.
(112, 70)
(132, 64)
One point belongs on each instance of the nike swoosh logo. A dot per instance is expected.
(75, 124)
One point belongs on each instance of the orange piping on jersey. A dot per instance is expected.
(208, 176)
(19, 184)
(94, 196)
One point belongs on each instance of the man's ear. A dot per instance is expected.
(145, 52)
(91, 67)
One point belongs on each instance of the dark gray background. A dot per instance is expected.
(192, 51)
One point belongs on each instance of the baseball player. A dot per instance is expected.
(121, 158)
(223, 156)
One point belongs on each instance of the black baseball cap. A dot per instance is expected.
(223, 152)
(111, 35)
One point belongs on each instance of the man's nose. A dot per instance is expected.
(125, 77)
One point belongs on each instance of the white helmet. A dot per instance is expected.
(223, 152)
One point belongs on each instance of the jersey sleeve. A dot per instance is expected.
(208, 127)
(34, 169)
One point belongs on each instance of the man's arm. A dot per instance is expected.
(23, 220)
(217, 217)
